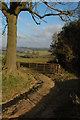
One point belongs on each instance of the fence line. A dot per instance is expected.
(42, 67)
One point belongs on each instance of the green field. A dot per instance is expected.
(40, 53)
(42, 57)
(33, 60)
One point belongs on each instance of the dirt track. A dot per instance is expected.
(27, 103)
(50, 101)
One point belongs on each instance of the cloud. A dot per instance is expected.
(34, 36)
(39, 38)
(21, 36)
(47, 31)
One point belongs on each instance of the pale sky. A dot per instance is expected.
(37, 36)
(31, 35)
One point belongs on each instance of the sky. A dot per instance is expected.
(36, 36)
(32, 35)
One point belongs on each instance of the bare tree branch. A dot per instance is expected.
(17, 7)
(40, 16)
(55, 9)
(4, 8)
(30, 7)
(38, 23)
(4, 29)
(21, 7)
(45, 15)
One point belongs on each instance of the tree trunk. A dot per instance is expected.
(11, 43)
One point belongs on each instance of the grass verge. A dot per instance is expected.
(15, 85)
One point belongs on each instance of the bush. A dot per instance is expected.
(67, 46)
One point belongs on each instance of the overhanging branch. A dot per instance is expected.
(4, 9)
(28, 6)
(38, 23)
(55, 9)
(59, 12)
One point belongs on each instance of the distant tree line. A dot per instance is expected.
(66, 45)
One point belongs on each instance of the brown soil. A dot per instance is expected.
(51, 100)
(28, 102)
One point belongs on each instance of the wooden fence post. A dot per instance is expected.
(36, 66)
(29, 65)
(44, 68)
(58, 68)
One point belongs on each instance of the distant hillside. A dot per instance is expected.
(22, 49)
(26, 48)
